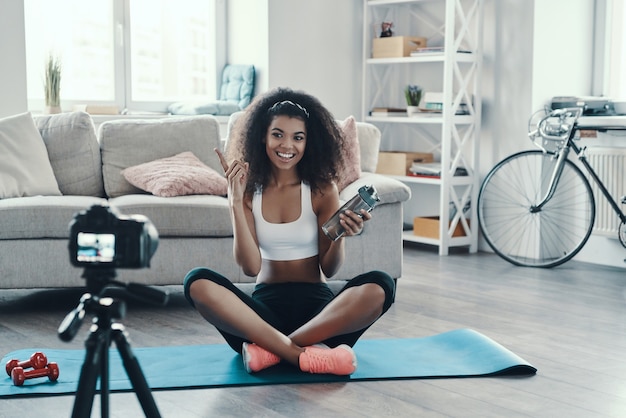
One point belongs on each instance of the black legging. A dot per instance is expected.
(280, 306)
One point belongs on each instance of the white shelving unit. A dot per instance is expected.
(455, 25)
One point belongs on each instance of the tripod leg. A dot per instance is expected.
(104, 376)
(133, 369)
(91, 369)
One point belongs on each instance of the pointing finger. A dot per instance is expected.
(222, 159)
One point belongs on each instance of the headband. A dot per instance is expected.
(276, 105)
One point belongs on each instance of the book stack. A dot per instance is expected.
(432, 170)
(424, 51)
(435, 50)
(433, 102)
(388, 111)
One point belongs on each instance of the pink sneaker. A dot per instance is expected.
(256, 358)
(340, 360)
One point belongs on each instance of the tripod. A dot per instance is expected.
(102, 333)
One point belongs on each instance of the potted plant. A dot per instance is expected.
(52, 85)
(413, 95)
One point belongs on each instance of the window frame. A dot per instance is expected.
(609, 65)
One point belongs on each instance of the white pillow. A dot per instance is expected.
(25, 169)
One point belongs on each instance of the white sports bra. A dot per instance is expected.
(287, 241)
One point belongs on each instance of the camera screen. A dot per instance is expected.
(95, 248)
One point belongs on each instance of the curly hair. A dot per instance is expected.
(322, 155)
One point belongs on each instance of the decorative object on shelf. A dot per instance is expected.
(435, 50)
(52, 85)
(386, 31)
(388, 111)
(428, 227)
(433, 102)
(396, 46)
(396, 163)
(413, 95)
(432, 169)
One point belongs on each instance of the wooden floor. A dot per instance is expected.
(569, 322)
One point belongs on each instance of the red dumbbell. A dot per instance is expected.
(19, 375)
(37, 361)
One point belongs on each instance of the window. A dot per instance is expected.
(613, 31)
(134, 54)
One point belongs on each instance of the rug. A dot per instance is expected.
(458, 353)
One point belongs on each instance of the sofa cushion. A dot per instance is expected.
(182, 174)
(351, 169)
(212, 107)
(180, 216)
(389, 189)
(126, 143)
(25, 169)
(74, 152)
(369, 144)
(236, 92)
(238, 84)
(38, 217)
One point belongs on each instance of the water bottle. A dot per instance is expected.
(366, 198)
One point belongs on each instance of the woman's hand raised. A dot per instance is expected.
(237, 175)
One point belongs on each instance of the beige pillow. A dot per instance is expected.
(25, 169)
(351, 169)
(182, 174)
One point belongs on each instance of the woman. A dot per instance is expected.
(281, 191)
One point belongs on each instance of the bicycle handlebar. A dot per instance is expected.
(557, 125)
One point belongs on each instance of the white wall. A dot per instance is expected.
(13, 53)
(562, 52)
(531, 54)
(313, 46)
(506, 83)
(248, 37)
(316, 47)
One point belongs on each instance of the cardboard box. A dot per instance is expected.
(398, 163)
(429, 227)
(396, 46)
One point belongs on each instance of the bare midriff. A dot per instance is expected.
(305, 270)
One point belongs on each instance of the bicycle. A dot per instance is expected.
(536, 208)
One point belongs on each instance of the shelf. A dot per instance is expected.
(453, 138)
(454, 181)
(427, 57)
(409, 236)
(373, 3)
(426, 118)
(454, 241)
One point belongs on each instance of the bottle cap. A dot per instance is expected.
(369, 195)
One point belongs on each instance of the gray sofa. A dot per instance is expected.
(194, 230)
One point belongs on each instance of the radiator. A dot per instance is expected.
(610, 165)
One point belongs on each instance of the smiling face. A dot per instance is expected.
(285, 141)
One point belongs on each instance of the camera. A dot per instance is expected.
(101, 237)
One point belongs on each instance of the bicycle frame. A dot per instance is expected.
(565, 131)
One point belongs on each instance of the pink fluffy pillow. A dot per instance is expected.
(351, 170)
(182, 174)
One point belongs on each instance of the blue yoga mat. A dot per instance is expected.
(459, 353)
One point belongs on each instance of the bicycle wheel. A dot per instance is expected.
(545, 238)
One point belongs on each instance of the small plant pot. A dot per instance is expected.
(51, 110)
(412, 110)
